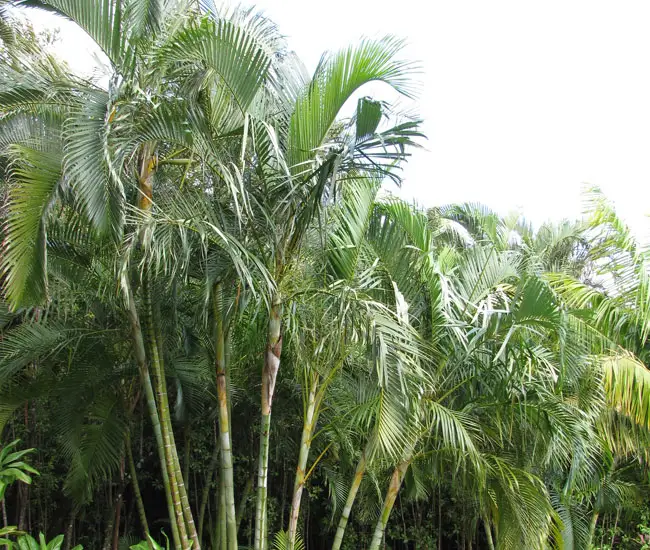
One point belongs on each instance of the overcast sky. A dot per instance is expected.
(524, 102)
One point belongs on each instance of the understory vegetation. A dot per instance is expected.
(220, 329)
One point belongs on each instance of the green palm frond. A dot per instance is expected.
(35, 176)
(281, 542)
(336, 79)
(228, 50)
(350, 226)
(521, 507)
(627, 386)
(101, 19)
(93, 444)
(92, 167)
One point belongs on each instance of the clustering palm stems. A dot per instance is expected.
(206, 212)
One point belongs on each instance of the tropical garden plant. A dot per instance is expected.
(199, 235)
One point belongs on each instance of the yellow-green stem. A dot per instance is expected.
(227, 474)
(352, 495)
(488, 532)
(389, 501)
(136, 491)
(182, 490)
(206, 489)
(145, 378)
(305, 445)
(269, 376)
(165, 422)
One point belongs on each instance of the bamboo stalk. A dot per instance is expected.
(592, 528)
(182, 491)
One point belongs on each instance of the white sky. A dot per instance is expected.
(524, 102)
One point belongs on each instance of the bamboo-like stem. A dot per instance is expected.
(592, 529)
(618, 515)
(182, 490)
(118, 509)
(488, 532)
(145, 379)
(136, 491)
(223, 520)
(145, 202)
(260, 510)
(163, 410)
(244, 499)
(178, 473)
(309, 423)
(69, 531)
(227, 474)
(352, 495)
(389, 501)
(187, 448)
(269, 375)
(206, 489)
(5, 521)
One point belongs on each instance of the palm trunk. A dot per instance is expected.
(136, 491)
(352, 495)
(178, 474)
(116, 526)
(391, 495)
(185, 501)
(145, 378)
(223, 517)
(5, 521)
(180, 478)
(305, 446)
(120, 503)
(187, 447)
(592, 528)
(618, 515)
(165, 420)
(242, 503)
(224, 421)
(114, 518)
(206, 489)
(69, 531)
(488, 532)
(269, 375)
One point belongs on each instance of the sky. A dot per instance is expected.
(525, 103)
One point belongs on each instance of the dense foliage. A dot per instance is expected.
(200, 238)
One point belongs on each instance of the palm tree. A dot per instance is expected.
(102, 144)
(304, 178)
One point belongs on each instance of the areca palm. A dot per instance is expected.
(303, 178)
(105, 131)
